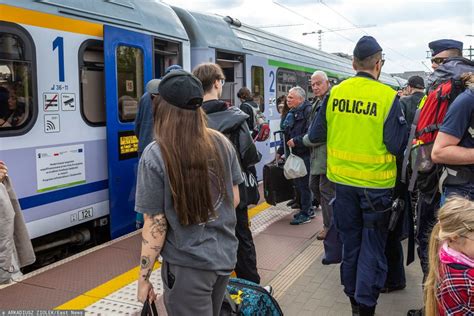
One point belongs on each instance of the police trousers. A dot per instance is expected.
(361, 216)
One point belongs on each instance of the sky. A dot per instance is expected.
(402, 27)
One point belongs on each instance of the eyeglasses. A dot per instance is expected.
(222, 81)
(382, 62)
(438, 60)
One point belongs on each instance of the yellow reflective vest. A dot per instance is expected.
(357, 156)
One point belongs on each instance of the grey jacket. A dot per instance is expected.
(13, 233)
(230, 120)
(319, 154)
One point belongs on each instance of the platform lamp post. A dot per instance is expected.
(470, 50)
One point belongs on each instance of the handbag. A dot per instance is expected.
(248, 190)
(294, 167)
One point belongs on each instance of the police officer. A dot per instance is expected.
(454, 145)
(365, 129)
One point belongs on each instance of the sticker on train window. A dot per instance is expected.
(128, 145)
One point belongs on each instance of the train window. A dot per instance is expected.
(287, 79)
(91, 63)
(166, 54)
(16, 80)
(258, 88)
(129, 81)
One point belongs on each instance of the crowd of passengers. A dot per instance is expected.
(196, 150)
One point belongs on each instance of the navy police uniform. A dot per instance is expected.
(361, 208)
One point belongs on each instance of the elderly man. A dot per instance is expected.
(320, 186)
(300, 111)
(365, 130)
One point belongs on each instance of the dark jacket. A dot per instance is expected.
(231, 121)
(298, 129)
(409, 105)
(144, 122)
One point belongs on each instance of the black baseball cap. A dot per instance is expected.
(181, 89)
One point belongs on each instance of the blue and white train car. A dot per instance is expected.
(74, 71)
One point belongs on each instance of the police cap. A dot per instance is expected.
(365, 47)
(438, 46)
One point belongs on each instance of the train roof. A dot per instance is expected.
(151, 16)
(241, 38)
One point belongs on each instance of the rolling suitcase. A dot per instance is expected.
(276, 188)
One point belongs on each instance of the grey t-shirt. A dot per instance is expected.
(206, 246)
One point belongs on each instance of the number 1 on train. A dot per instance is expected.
(59, 44)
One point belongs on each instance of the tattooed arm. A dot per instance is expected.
(153, 238)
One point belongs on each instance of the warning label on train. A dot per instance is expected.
(68, 102)
(50, 102)
(128, 145)
(59, 167)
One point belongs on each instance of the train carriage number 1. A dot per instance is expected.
(59, 44)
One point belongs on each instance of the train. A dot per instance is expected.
(75, 71)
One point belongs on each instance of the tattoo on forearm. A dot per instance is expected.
(158, 226)
(144, 241)
(145, 262)
(146, 276)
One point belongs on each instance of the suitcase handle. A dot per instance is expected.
(282, 138)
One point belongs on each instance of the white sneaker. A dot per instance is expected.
(269, 289)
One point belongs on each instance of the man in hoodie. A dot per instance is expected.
(296, 129)
(232, 122)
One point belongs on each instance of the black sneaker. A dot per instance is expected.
(290, 202)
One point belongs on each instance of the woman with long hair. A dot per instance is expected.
(187, 189)
(449, 287)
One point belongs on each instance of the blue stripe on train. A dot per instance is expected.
(50, 197)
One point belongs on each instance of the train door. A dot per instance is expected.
(261, 80)
(233, 69)
(128, 65)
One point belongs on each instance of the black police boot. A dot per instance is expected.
(354, 305)
(366, 311)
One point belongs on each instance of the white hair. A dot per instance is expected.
(320, 73)
(299, 91)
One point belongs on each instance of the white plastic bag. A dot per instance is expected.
(294, 167)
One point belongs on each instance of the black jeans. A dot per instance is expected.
(246, 267)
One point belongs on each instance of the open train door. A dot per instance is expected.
(128, 66)
(261, 80)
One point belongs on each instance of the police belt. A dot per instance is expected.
(458, 175)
